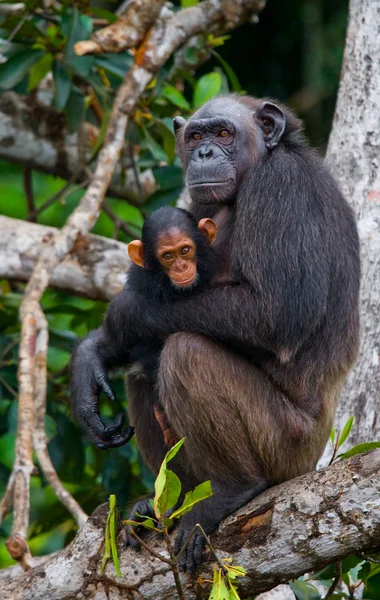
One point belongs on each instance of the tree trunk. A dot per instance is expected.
(354, 154)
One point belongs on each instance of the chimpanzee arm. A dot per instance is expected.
(91, 360)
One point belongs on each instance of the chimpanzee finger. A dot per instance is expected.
(188, 564)
(178, 543)
(115, 427)
(199, 546)
(103, 382)
(142, 508)
(118, 440)
(96, 425)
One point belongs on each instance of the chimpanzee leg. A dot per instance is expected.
(239, 428)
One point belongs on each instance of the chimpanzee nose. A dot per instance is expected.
(205, 152)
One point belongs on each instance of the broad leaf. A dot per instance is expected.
(207, 87)
(75, 109)
(219, 589)
(154, 147)
(346, 431)
(304, 590)
(170, 493)
(175, 97)
(199, 493)
(80, 28)
(16, 68)
(39, 70)
(62, 85)
(233, 79)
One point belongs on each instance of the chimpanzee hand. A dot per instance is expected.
(89, 378)
(144, 509)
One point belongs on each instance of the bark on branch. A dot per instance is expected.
(35, 135)
(296, 527)
(94, 268)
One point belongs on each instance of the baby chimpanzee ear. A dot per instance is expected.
(209, 229)
(136, 252)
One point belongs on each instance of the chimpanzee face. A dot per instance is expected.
(221, 142)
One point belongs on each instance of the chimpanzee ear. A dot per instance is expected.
(136, 252)
(272, 121)
(209, 229)
(178, 123)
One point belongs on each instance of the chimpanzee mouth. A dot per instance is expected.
(208, 183)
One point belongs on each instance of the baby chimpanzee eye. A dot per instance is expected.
(167, 256)
(185, 250)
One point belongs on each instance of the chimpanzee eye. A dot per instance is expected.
(167, 256)
(223, 133)
(185, 250)
(196, 137)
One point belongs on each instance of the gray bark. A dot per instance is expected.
(288, 530)
(95, 267)
(354, 154)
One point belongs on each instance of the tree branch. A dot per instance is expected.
(35, 135)
(94, 268)
(291, 529)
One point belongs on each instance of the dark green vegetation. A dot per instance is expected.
(294, 54)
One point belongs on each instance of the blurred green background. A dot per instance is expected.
(294, 54)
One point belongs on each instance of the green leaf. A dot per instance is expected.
(304, 590)
(233, 78)
(219, 589)
(154, 147)
(199, 493)
(332, 436)
(359, 449)
(174, 451)
(207, 87)
(188, 3)
(350, 562)
(167, 138)
(117, 64)
(346, 431)
(113, 530)
(16, 68)
(167, 485)
(102, 13)
(62, 85)
(75, 109)
(167, 492)
(39, 70)
(79, 28)
(175, 97)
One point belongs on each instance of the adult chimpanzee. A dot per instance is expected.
(251, 370)
(174, 258)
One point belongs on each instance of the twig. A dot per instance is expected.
(149, 549)
(55, 197)
(119, 223)
(175, 568)
(8, 387)
(332, 588)
(39, 435)
(28, 187)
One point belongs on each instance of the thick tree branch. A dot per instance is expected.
(294, 528)
(94, 268)
(35, 135)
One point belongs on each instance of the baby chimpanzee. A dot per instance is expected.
(173, 259)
